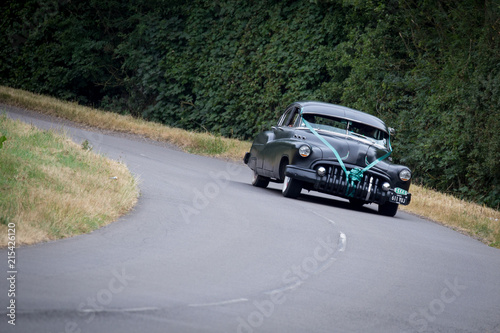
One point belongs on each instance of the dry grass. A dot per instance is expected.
(469, 218)
(193, 142)
(51, 188)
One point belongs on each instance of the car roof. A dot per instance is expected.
(327, 109)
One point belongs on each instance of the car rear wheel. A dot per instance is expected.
(291, 187)
(388, 209)
(259, 180)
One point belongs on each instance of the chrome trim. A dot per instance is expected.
(369, 189)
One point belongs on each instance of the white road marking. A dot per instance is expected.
(120, 310)
(323, 217)
(342, 236)
(342, 242)
(231, 301)
(284, 289)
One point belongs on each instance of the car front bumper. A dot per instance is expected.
(334, 182)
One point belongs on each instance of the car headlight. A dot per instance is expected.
(405, 175)
(304, 151)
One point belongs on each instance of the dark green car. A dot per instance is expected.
(331, 149)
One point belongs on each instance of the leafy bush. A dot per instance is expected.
(430, 69)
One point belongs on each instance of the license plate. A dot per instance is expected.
(403, 199)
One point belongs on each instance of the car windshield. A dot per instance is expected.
(346, 127)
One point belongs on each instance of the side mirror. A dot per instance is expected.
(392, 131)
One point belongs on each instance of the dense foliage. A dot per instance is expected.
(429, 68)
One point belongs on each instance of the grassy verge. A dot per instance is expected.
(193, 142)
(469, 218)
(480, 222)
(52, 188)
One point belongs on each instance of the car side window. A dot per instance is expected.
(289, 118)
(293, 118)
(283, 121)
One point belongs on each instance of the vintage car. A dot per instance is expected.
(331, 149)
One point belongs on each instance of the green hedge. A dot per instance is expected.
(429, 68)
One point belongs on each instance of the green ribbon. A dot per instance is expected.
(355, 175)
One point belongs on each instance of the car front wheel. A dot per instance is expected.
(388, 209)
(259, 180)
(291, 187)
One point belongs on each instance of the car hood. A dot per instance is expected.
(350, 149)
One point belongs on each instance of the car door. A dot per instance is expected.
(280, 145)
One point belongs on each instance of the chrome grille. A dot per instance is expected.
(335, 182)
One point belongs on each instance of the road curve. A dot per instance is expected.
(204, 251)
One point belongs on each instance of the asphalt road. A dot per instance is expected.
(204, 251)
